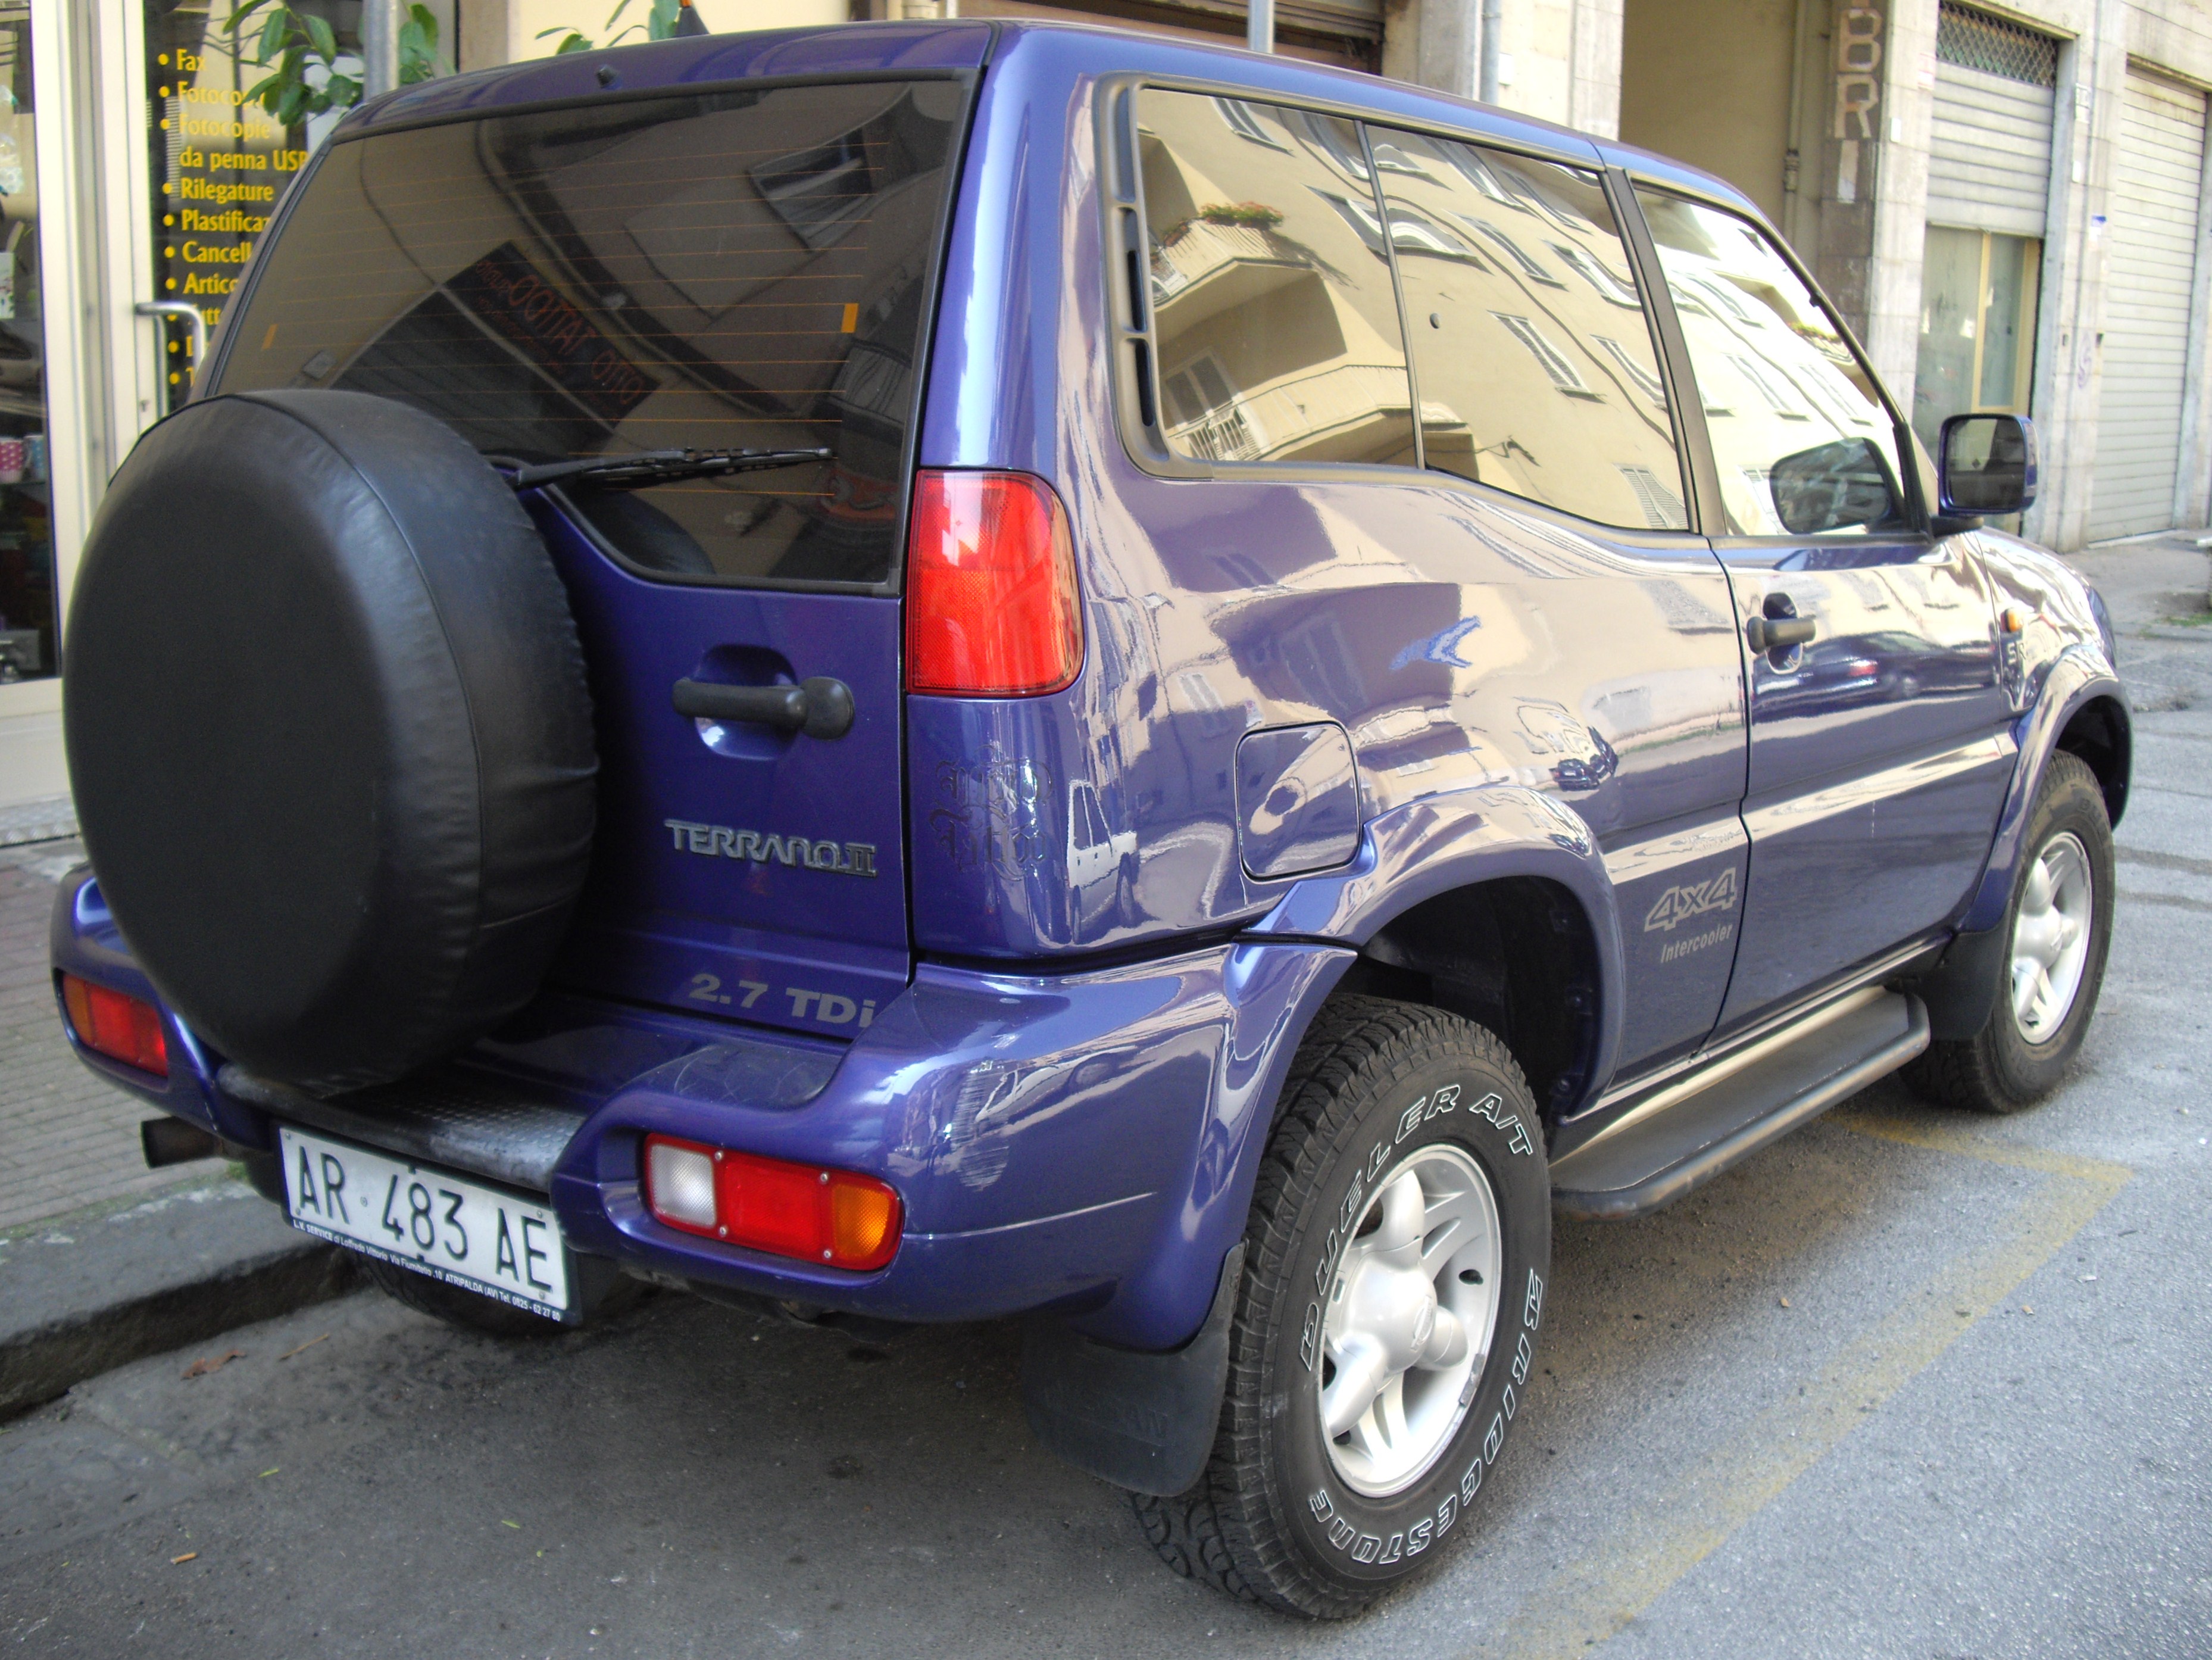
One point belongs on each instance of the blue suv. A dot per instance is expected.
(930, 672)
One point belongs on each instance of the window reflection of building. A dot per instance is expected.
(1776, 379)
(1278, 327)
(1535, 377)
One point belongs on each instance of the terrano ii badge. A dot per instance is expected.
(719, 841)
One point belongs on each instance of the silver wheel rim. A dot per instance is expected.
(1413, 1309)
(2050, 938)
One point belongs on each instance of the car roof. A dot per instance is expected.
(831, 50)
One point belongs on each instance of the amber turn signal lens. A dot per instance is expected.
(121, 1027)
(804, 1212)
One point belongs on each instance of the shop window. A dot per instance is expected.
(28, 606)
(1278, 328)
(1800, 434)
(1978, 299)
(1530, 383)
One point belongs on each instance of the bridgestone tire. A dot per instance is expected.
(1273, 1520)
(1998, 1070)
(328, 733)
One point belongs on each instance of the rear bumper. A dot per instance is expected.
(1084, 1143)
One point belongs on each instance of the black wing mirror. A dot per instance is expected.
(1986, 464)
(1832, 486)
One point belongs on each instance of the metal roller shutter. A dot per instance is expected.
(2150, 275)
(1989, 163)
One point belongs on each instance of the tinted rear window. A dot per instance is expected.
(743, 269)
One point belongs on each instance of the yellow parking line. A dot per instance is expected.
(1585, 1604)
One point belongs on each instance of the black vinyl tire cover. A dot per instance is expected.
(328, 733)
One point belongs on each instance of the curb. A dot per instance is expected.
(83, 1294)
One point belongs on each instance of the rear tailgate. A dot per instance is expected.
(750, 269)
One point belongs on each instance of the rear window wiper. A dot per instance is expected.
(629, 472)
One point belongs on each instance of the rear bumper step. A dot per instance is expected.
(1652, 1159)
(466, 1120)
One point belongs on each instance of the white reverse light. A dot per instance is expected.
(680, 1184)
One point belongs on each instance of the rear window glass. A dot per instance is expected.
(744, 270)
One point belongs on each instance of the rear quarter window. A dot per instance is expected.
(1277, 323)
(744, 270)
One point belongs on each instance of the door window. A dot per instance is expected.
(1535, 367)
(1277, 327)
(1801, 437)
(1978, 299)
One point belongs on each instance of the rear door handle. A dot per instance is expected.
(1779, 633)
(820, 708)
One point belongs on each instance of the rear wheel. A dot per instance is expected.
(2059, 926)
(1394, 1270)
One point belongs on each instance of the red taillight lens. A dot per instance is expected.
(119, 1027)
(992, 607)
(803, 1211)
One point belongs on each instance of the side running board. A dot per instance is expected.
(1681, 1136)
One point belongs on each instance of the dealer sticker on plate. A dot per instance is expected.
(479, 1237)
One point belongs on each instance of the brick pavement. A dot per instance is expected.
(67, 1139)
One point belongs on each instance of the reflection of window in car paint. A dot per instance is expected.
(1555, 362)
(1644, 380)
(1612, 286)
(1529, 267)
(1663, 508)
(1245, 125)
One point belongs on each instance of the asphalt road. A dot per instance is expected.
(1910, 1383)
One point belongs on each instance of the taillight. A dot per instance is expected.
(838, 1216)
(121, 1027)
(992, 607)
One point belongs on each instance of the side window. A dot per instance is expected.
(1803, 444)
(1530, 346)
(1277, 328)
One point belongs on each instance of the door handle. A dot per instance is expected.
(820, 708)
(1778, 633)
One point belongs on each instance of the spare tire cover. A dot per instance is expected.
(329, 733)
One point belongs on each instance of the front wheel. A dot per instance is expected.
(1394, 1270)
(2058, 928)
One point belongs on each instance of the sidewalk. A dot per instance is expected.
(67, 1139)
(102, 1260)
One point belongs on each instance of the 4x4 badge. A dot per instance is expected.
(1679, 904)
(719, 841)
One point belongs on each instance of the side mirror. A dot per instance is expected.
(1986, 464)
(1832, 486)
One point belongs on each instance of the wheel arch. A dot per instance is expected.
(1492, 903)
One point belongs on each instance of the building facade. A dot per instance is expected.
(2008, 203)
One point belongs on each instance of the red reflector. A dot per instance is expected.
(802, 1211)
(122, 1028)
(992, 605)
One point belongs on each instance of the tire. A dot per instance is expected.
(328, 733)
(1380, 1093)
(2019, 1056)
(472, 1311)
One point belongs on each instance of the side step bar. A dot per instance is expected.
(1683, 1135)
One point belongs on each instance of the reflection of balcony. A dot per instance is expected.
(1298, 415)
(1202, 248)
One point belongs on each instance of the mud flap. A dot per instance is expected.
(1142, 1421)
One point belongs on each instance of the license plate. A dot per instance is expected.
(479, 1237)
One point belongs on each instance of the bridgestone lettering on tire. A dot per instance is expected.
(1388, 1106)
